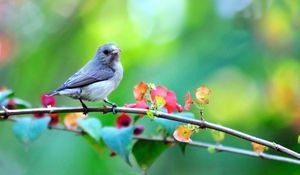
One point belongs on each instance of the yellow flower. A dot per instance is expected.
(183, 133)
(71, 120)
(258, 148)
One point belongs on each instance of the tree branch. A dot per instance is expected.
(203, 124)
(217, 147)
(221, 148)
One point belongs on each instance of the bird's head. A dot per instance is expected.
(108, 53)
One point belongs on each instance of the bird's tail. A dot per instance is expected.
(53, 93)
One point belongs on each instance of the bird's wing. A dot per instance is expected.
(84, 77)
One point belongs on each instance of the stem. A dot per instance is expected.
(218, 147)
(204, 124)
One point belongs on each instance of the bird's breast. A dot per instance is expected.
(100, 90)
(97, 91)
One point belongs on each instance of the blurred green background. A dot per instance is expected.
(246, 51)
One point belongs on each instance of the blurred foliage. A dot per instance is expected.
(246, 51)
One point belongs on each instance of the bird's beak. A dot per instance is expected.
(116, 51)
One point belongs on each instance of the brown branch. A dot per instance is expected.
(201, 123)
(217, 147)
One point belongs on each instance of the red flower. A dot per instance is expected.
(169, 96)
(139, 104)
(54, 119)
(123, 120)
(2, 88)
(138, 130)
(112, 154)
(47, 100)
(171, 104)
(140, 90)
(159, 91)
(188, 101)
(11, 104)
(38, 115)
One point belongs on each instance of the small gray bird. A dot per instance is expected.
(97, 79)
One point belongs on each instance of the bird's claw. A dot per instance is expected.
(85, 110)
(113, 108)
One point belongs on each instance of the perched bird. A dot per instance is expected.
(95, 80)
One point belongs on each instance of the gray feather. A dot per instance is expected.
(94, 71)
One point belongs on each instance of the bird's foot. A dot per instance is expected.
(85, 110)
(113, 106)
(84, 107)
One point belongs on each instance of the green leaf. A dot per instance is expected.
(211, 150)
(151, 86)
(98, 146)
(150, 114)
(299, 138)
(169, 125)
(5, 94)
(146, 152)
(136, 118)
(27, 129)
(21, 104)
(119, 140)
(91, 126)
(218, 136)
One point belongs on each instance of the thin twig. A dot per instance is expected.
(159, 114)
(218, 148)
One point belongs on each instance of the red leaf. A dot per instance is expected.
(123, 121)
(188, 101)
(47, 100)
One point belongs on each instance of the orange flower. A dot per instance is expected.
(188, 101)
(202, 94)
(140, 90)
(183, 133)
(71, 120)
(258, 148)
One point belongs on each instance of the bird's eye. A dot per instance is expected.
(105, 52)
